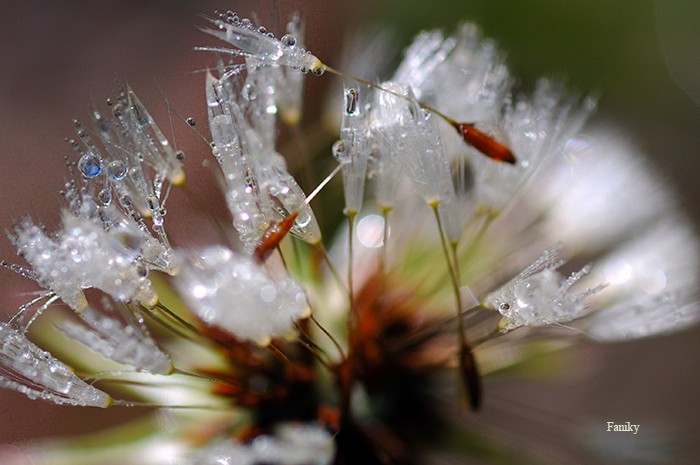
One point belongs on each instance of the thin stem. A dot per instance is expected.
(351, 214)
(149, 311)
(334, 270)
(204, 377)
(315, 350)
(457, 281)
(329, 335)
(127, 403)
(385, 242)
(448, 260)
(176, 317)
(281, 355)
(468, 374)
(424, 334)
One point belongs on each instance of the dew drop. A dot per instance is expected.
(89, 165)
(340, 153)
(289, 40)
(352, 98)
(190, 120)
(303, 219)
(319, 71)
(105, 196)
(116, 170)
(152, 202)
(180, 155)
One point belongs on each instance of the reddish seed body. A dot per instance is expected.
(484, 144)
(273, 236)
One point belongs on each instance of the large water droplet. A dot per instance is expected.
(289, 40)
(89, 165)
(116, 170)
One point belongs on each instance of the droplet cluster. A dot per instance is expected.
(80, 256)
(233, 292)
(26, 368)
(118, 334)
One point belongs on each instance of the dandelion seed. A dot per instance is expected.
(26, 368)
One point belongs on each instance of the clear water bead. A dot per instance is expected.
(105, 196)
(340, 153)
(116, 170)
(289, 40)
(352, 100)
(89, 165)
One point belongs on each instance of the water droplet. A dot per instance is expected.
(152, 202)
(117, 170)
(303, 219)
(105, 196)
(142, 270)
(319, 71)
(109, 102)
(352, 99)
(289, 40)
(190, 120)
(180, 155)
(340, 153)
(89, 165)
(262, 30)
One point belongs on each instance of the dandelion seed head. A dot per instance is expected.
(268, 350)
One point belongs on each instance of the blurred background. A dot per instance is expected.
(641, 57)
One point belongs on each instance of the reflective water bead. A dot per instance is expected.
(152, 202)
(303, 219)
(351, 101)
(105, 196)
(289, 40)
(89, 165)
(116, 170)
(340, 153)
(190, 121)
